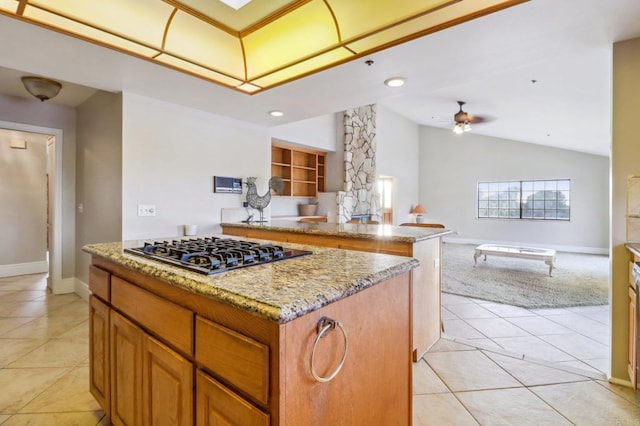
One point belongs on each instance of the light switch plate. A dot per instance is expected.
(146, 209)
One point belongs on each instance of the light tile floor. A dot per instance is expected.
(44, 356)
(574, 337)
(458, 384)
(44, 371)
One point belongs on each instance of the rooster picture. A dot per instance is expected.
(259, 202)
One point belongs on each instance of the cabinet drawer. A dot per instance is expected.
(163, 318)
(217, 405)
(236, 359)
(100, 283)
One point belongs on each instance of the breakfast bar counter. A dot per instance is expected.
(424, 244)
(383, 234)
(289, 342)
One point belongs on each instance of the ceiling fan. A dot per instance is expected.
(463, 120)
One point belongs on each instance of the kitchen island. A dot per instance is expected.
(424, 244)
(318, 339)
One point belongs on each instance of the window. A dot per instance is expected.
(527, 199)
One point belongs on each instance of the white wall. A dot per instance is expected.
(170, 154)
(397, 156)
(319, 133)
(23, 202)
(43, 114)
(99, 175)
(451, 165)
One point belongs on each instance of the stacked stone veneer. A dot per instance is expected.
(360, 195)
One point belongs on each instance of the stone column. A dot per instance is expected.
(360, 195)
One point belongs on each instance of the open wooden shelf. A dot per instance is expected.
(302, 170)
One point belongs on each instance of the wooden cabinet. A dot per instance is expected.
(302, 170)
(216, 405)
(234, 358)
(374, 385)
(632, 365)
(99, 359)
(632, 340)
(150, 383)
(426, 282)
(167, 385)
(135, 378)
(234, 368)
(126, 371)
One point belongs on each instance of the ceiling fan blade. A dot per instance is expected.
(478, 119)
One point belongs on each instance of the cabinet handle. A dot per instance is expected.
(324, 325)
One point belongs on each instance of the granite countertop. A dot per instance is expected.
(633, 248)
(409, 234)
(278, 291)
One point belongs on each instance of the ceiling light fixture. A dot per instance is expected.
(394, 81)
(276, 113)
(461, 128)
(262, 45)
(235, 4)
(462, 120)
(41, 88)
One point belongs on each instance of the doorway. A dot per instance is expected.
(52, 197)
(385, 189)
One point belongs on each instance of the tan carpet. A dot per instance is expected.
(578, 279)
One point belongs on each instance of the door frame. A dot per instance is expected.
(55, 281)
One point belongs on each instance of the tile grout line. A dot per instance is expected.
(451, 392)
(574, 358)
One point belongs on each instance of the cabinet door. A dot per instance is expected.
(99, 381)
(126, 371)
(632, 366)
(167, 386)
(218, 406)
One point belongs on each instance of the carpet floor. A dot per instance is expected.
(578, 279)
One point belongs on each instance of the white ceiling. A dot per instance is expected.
(566, 45)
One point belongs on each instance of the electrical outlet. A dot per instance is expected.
(146, 209)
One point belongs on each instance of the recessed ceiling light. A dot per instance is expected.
(276, 113)
(394, 81)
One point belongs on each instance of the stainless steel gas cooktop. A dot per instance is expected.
(211, 255)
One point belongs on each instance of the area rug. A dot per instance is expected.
(578, 279)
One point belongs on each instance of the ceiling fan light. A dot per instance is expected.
(466, 127)
(458, 129)
(41, 88)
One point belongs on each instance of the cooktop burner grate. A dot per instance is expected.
(212, 255)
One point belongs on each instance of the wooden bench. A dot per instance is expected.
(546, 255)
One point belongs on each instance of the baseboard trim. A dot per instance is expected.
(570, 249)
(24, 269)
(81, 289)
(64, 286)
(615, 381)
